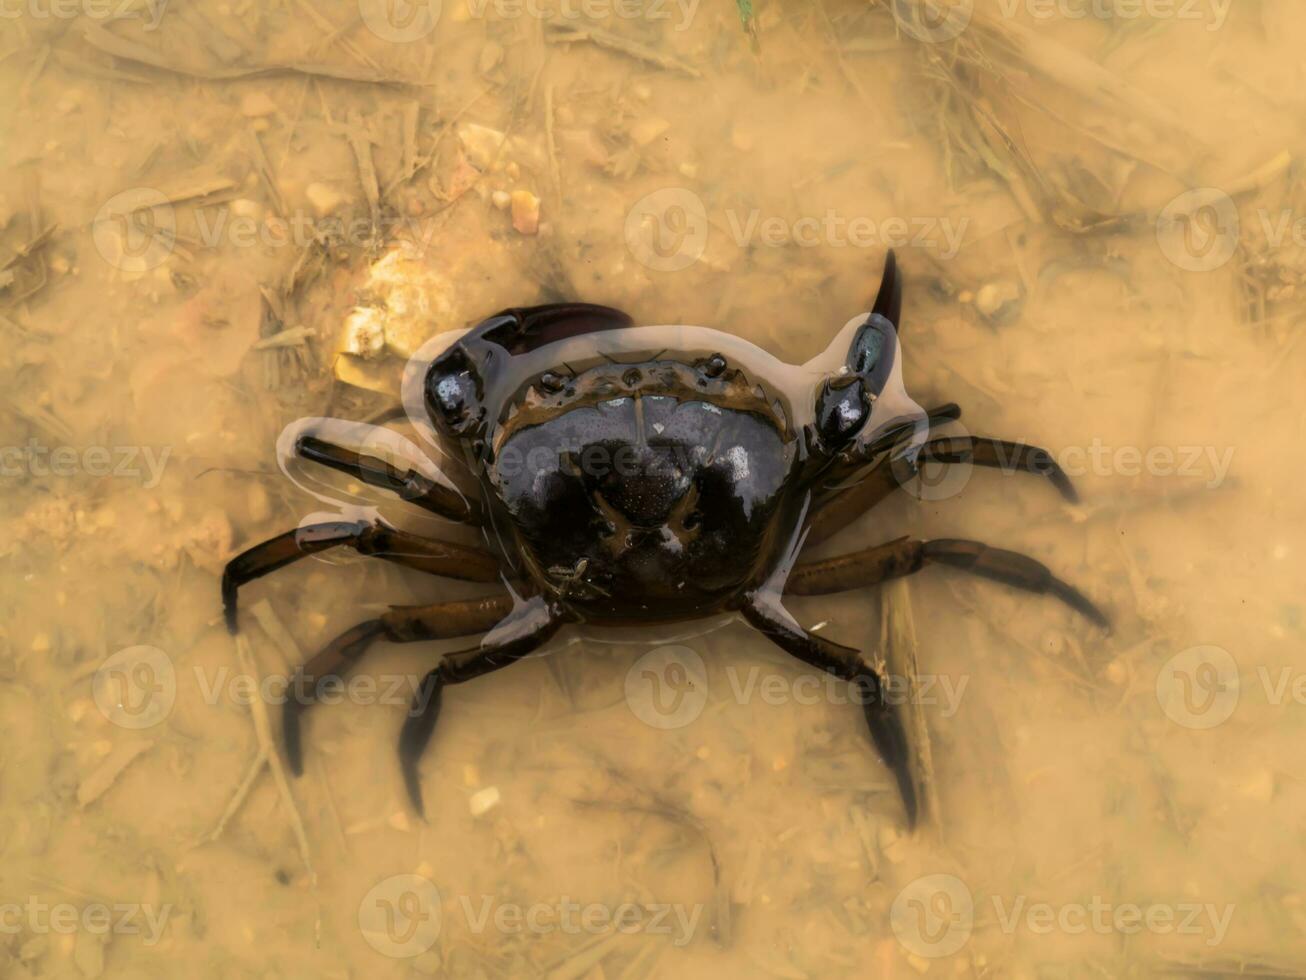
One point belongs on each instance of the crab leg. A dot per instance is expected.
(456, 668)
(845, 506)
(908, 555)
(882, 717)
(428, 555)
(410, 624)
(410, 485)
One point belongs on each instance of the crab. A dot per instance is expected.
(625, 475)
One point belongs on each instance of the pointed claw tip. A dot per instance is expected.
(229, 608)
(414, 787)
(290, 736)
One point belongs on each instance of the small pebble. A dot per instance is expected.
(484, 801)
(501, 200)
(525, 212)
(997, 300)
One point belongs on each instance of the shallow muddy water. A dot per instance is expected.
(220, 219)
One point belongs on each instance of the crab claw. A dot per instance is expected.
(888, 302)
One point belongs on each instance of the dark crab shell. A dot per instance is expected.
(639, 474)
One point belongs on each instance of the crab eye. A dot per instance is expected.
(713, 366)
(453, 390)
(552, 382)
(451, 394)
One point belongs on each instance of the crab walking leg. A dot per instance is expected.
(456, 668)
(408, 484)
(411, 624)
(370, 538)
(847, 505)
(908, 555)
(444, 620)
(882, 717)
